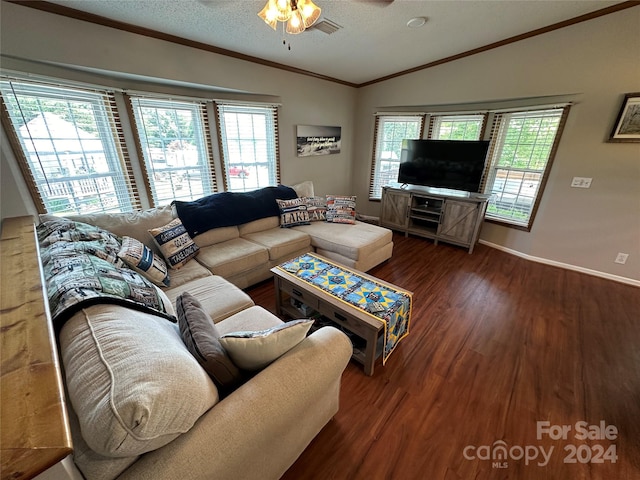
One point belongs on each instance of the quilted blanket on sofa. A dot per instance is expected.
(81, 268)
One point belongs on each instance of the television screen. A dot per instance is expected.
(454, 164)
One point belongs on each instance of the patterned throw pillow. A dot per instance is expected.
(142, 259)
(255, 350)
(175, 243)
(293, 212)
(317, 208)
(341, 209)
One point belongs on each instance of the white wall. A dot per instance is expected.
(592, 64)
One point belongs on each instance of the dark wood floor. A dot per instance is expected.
(497, 344)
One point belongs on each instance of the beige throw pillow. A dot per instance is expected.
(256, 350)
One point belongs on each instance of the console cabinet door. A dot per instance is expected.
(394, 209)
(459, 221)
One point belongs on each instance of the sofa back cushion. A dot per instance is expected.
(216, 235)
(259, 225)
(304, 189)
(133, 224)
(132, 382)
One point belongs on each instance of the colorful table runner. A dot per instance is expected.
(391, 307)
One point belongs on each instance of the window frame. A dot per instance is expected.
(271, 144)
(375, 183)
(202, 134)
(436, 120)
(107, 121)
(498, 133)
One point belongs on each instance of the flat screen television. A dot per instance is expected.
(452, 164)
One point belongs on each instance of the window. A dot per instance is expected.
(174, 144)
(248, 140)
(521, 153)
(457, 127)
(389, 133)
(69, 146)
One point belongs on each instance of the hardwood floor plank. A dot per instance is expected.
(497, 343)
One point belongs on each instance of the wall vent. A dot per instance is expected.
(326, 26)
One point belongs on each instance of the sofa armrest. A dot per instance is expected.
(259, 430)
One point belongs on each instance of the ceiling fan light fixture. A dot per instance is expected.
(310, 12)
(295, 24)
(298, 14)
(269, 14)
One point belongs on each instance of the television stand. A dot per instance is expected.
(449, 216)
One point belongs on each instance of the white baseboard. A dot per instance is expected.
(608, 276)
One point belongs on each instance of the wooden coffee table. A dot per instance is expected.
(318, 303)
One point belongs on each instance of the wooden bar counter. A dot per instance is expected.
(34, 428)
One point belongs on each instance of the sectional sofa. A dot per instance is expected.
(244, 254)
(141, 405)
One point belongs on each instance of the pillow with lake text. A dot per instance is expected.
(293, 212)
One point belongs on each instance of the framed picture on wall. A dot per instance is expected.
(317, 140)
(627, 126)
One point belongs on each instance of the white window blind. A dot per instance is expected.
(457, 127)
(390, 131)
(249, 142)
(70, 147)
(174, 143)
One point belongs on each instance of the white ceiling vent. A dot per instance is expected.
(326, 26)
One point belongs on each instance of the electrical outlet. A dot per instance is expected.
(621, 258)
(581, 182)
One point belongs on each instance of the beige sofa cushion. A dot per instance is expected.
(131, 380)
(260, 225)
(280, 241)
(304, 189)
(216, 235)
(219, 298)
(351, 241)
(189, 272)
(233, 256)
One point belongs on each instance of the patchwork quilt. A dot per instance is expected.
(389, 306)
(81, 268)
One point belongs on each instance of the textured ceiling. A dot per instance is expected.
(374, 40)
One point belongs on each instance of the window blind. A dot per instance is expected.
(389, 132)
(173, 139)
(70, 147)
(249, 142)
(521, 154)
